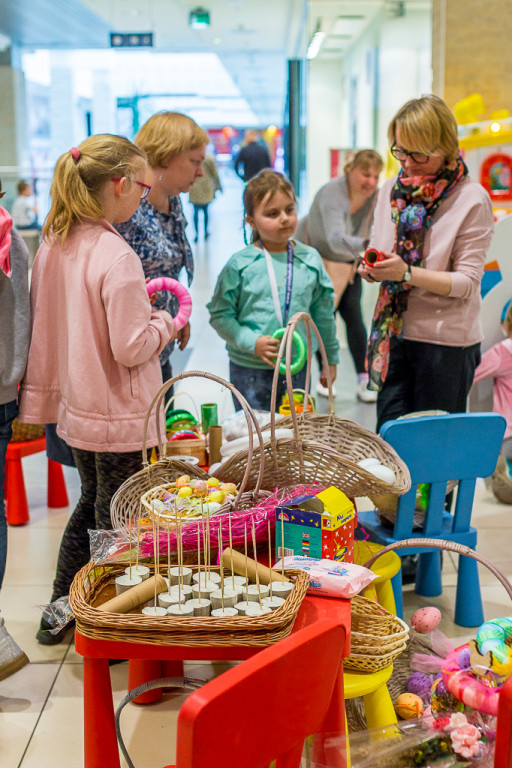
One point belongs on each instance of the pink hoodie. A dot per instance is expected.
(93, 361)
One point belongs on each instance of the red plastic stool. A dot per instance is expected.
(15, 493)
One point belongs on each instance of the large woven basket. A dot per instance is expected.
(376, 637)
(24, 432)
(325, 448)
(126, 501)
(94, 584)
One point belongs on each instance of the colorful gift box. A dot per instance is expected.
(320, 526)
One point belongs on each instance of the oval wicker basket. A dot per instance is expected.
(376, 637)
(325, 448)
(94, 584)
(126, 501)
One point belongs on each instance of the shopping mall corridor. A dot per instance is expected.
(41, 723)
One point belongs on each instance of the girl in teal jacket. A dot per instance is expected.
(243, 309)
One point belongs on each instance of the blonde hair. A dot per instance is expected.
(426, 124)
(364, 159)
(166, 134)
(79, 177)
(262, 186)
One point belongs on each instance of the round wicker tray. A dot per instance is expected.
(325, 448)
(94, 584)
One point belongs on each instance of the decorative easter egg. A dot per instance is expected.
(213, 482)
(183, 480)
(228, 488)
(368, 462)
(408, 706)
(211, 507)
(185, 492)
(217, 496)
(382, 472)
(198, 486)
(424, 620)
(419, 683)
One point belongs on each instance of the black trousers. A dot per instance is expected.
(426, 377)
(350, 311)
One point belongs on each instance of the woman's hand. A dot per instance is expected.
(392, 268)
(183, 335)
(323, 377)
(267, 348)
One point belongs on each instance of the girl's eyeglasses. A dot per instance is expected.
(145, 187)
(402, 154)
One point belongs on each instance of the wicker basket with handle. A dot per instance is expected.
(325, 448)
(376, 637)
(93, 585)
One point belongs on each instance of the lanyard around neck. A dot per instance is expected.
(281, 316)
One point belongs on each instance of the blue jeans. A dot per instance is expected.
(255, 384)
(8, 413)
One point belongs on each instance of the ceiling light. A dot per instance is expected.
(495, 127)
(316, 42)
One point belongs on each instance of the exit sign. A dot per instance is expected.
(131, 40)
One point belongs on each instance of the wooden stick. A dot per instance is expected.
(219, 536)
(208, 538)
(246, 574)
(138, 537)
(130, 536)
(282, 544)
(231, 549)
(269, 556)
(179, 555)
(199, 559)
(154, 551)
(256, 561)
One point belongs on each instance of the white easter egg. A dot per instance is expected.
(369, 462)
(382, 472)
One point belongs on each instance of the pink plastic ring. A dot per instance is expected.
(181, 293)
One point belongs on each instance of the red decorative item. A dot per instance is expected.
(372, 256)
(496, 176)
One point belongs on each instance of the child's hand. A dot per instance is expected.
(183, 336)
(323, 377)
(267, 348)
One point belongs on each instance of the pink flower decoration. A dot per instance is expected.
(457, 719)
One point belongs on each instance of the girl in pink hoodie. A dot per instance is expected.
(93, 363)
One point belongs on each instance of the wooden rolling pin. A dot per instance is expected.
(265, 574)
(135, 596)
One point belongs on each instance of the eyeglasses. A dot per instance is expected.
(402, 154)
(145, 187)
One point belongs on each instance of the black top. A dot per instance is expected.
(254, 157)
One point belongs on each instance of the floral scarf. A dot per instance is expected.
(414, 201)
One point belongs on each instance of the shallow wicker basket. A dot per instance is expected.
(376, 637)
(93, 585)
(325, 448)
(24, 432)
(126, 502)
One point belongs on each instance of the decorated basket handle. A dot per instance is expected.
(181, 293)
(157, 407)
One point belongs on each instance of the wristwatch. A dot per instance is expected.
(408, 274)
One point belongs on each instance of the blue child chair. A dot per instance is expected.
(438, 449)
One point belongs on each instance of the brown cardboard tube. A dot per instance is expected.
(265, 574)
(214, 444)
(135, 596)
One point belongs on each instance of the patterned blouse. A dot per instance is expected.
(160, 241)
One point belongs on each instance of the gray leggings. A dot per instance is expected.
(101, 474)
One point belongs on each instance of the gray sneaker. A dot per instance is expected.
(12, 657)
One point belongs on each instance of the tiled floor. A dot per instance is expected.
(41, 706)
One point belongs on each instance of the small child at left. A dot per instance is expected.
(497, 364)
(24, 209)
(93, 366)
(263, 285)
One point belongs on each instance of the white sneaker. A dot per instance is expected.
(364, 394)
(324, 391)
(12, 657)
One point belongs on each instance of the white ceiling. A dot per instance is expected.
(253, 38)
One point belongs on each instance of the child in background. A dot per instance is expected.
(497, 363)
(246, 308)
(93, 364)
(24, 210)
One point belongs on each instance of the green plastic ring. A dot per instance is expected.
(179, 415)
(300, 352)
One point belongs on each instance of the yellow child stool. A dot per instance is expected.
(380, 590)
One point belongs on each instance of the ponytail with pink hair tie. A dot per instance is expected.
(75, 154)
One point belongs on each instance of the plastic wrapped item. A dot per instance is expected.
(411, 743)
(58, 614)
(235, 426)
(329, 578)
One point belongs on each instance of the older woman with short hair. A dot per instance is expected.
(434, 226)
(175, 147)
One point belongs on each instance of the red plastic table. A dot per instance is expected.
(148, 662)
